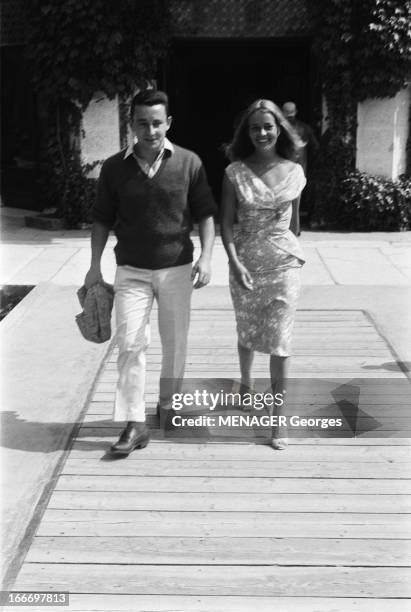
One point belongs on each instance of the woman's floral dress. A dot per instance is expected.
(272, 255)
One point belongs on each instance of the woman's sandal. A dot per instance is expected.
(279, 443)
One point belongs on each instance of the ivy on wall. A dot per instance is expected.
(78, 47)
(75, 48)
(382, 47)
(364, 51)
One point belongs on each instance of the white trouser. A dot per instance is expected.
(135, 289)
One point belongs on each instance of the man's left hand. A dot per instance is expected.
(201, 272)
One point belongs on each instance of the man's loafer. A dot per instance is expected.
(135, 435)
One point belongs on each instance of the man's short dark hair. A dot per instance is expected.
(148, 97)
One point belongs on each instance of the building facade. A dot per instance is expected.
(222, 56)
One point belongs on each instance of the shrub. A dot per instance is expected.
(369, 203)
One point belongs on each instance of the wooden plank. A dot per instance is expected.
(101, 417)
(297, 370)
(232, 580)
(103, 442)
(227, 502)
(307, 335)
(199, 329)
(379, 348)
(315, 315)
(301, 395)
(391, 425)
(130, 523)
(334, 361)
(300, 346)
(233, 469)
(239, 427)
(397, 409)
(165, 603)
(385, 441)
(304, 345)
(207, 603)
(227, 342)
(357, 394)
(229, 485)
(354, 376)
(307, 330)
(228, 325)
(300, 311)
(228, 317)
(250, 452)
(220, 551)
(300, 321)
(337, 314)
(99, 414)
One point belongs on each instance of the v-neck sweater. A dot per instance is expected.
(152, 217)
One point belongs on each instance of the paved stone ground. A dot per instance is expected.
(363, 259)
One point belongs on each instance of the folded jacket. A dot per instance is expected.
(95, 320)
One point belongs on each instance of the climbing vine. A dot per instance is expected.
(75, 48)
(364, 51)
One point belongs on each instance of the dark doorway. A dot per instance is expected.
(210, 81)
(19, 132)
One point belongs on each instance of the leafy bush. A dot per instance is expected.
(80, 194)
(369, 203)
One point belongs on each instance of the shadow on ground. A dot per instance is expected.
(40, 437)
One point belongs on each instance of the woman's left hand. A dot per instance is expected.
(243, 275)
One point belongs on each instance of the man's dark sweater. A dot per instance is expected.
(152, 217)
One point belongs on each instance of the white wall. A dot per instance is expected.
(382, 135)
(101, 125)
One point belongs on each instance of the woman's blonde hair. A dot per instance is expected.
(288, 141)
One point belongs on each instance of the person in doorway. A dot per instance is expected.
(309, 148)
(260, 188)
(150, 194)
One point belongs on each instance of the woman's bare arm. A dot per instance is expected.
(228, 206)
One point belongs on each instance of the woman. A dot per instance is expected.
(265, 258)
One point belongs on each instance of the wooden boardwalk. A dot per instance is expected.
(226, 523)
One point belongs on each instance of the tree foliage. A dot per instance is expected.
(382, 53)
(364, 51)
(365, 46)
(78, 47)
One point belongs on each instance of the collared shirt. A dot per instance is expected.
(149, 169)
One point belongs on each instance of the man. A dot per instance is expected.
(149, 194)
(306, 133)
